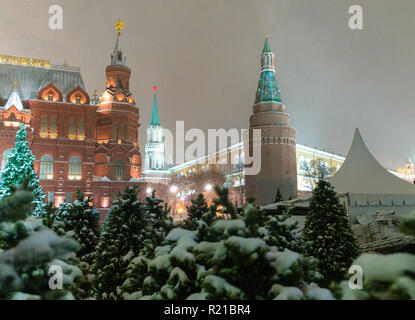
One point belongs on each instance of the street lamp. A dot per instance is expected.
(208, 188)
(173, 189)
(180, 212)
(149, 190)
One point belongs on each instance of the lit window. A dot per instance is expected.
(44, 128)
(51, 197)
(119, 170)
(72, 134)
(5, 158)
(81, 130)
(46, 167)
(68, 197)
(50, 95)
(75, 168)
(53, 129)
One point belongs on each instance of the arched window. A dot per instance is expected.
(50, 95)
(119, 170)
(46, 167)
(78, 98)
(5, 158)
(75, 168)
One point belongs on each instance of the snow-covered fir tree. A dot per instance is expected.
(195, 212)
(29, 249)
(281, 234)
(78, 221)
(157, 226)
(119, 239)
(155, 232)
(224, 258)
(130, 228)
(328, 229)
(79, 218)
(19, 165)
(384, 277)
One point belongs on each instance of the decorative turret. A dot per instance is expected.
(14, 99)
(154, 147)
(118, 73)
(278, 138)
(118, 57)
(268, 84)
(118, 120)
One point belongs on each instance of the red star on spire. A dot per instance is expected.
(155, 88)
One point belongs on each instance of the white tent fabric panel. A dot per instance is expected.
(362, 173)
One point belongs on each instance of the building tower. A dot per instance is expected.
(278, 139)
(117, 155)
(154, 147)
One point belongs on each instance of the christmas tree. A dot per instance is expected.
(121, 240)
(328, 229)
(29, 250)
(157, 227)
(79, 218)
(282, 234)
(20, 165)
(224, 258)
(195, 212)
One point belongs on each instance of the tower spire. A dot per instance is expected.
(155, 118)
(155, 146)
(268, 90)
(118, 57)
(267, 47)
(14, 99)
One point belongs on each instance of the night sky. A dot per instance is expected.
(204, 57)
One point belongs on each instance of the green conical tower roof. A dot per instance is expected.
(267, 47)
(155, 118)
(267, 90)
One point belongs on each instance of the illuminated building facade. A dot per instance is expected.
(79, 143)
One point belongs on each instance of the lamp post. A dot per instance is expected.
(173, 190)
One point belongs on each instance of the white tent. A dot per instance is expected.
(361, 173)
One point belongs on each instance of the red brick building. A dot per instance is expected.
(78, 143)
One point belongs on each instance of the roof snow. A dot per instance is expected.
(14, 100)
